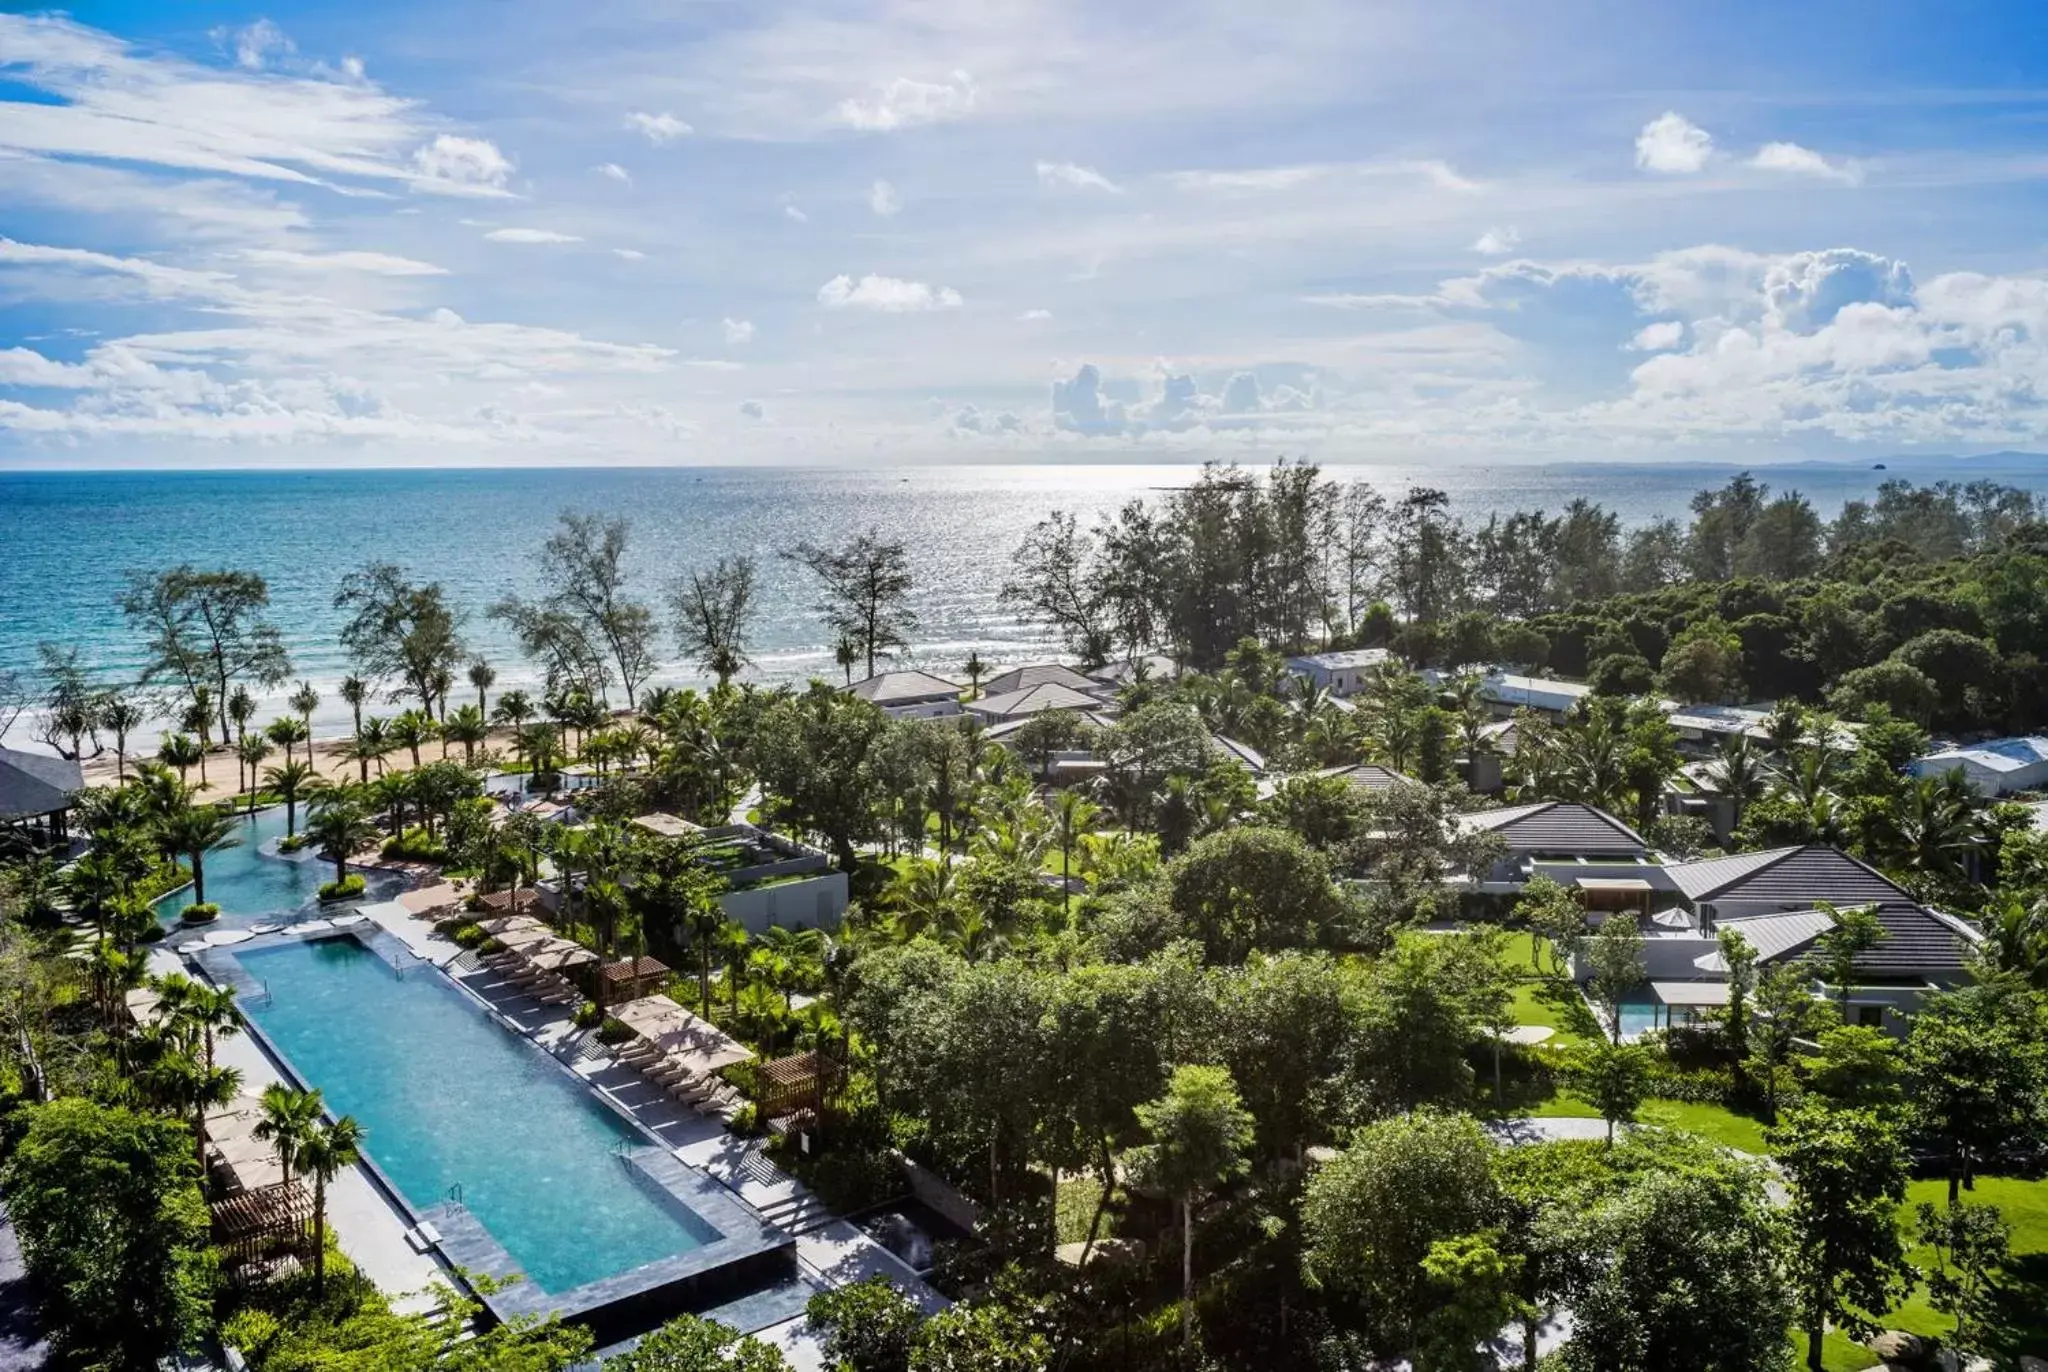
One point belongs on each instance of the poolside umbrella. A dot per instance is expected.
(559, 956)
(695, 1042)
(500, 925)
(517, 939)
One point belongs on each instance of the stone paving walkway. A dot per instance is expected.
(22, 1348)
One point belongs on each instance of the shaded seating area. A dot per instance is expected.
(534, 958)
(36, 795)
(263, 1233)
(794, 1090)
(680, 1054)
(631, 978)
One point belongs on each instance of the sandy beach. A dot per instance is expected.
(329, 760)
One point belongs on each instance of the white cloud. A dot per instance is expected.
(1030, 316)
(530, 236)
(1658, 337)
(255, 45)
(738, 330)
(1673, 144)
(887, 294)
(752, 409)
(1498, 242)
(615, 172)
(904, 103)
(971, 420)
(374, 263)
(1790, 157)
(461, 164)
(1070, 176)
(883, 200)
(657, 128)
(630, 254)
(795, 215)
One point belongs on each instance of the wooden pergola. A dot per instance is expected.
(263, 1232)
(794, 1090)
(632, 978)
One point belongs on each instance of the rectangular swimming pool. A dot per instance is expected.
(448, 1100)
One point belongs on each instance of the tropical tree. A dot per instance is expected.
(1737, 772)
(304, 701)
(976, 669)
(183, 752)
(339, 826)
(121, 717)
(412, 730)
(1199, 1135)
(326, 1152)
(846, 653)
(1074, 819)
(468, 727)
(1615, 1080)
(251, 751)
(287, 1117)
(483, 676)
(1616, 954)
(241, 708)
(1847, 1173)
(354, 691)
(714, 612)
(195, 831)
(371, 743)
(864, 592)
(513, 708)
(291, 781)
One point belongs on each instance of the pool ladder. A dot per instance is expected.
(455, 1193)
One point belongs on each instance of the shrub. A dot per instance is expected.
(467, 933)
(204, 913)
(868, 1326)
(614, 1031)
(587, 1015)
(348, 888)
(291, 843)
(414, 846)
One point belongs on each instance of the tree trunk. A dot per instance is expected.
(199, 877)
(1816, 1334)
(1101, 1203)
(1187, 1273)
(319, 1233)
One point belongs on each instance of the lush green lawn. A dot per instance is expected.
(2025, 1207)
(1716, 1122)
(1556, 1005)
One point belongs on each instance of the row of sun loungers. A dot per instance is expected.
(708, 1095)
(546, 987)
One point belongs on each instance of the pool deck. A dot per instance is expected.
(368, 1227)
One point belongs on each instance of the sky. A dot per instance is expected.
(487, 232)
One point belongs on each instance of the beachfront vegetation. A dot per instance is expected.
(1248, 1052)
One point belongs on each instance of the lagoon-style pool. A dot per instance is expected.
(455, 1107)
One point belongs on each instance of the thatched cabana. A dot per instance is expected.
(631, 978)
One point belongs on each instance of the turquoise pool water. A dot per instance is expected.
(243, 882)
(448, 1098)
(1638, 1017)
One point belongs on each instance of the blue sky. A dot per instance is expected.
(503, 231)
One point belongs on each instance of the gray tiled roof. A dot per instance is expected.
(1799, 876)
(34, 784)
(1048, 695)
(1366, 776)
(1918, 942)
(1047, 673)
(889, 688)
(1557, 826)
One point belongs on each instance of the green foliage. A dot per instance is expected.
(867, 1326)
(1252, 888)
(1371, 1216)
(690, 1344)
(348, 888)
(1615, 1078)
(1972, 1245)
(1847, 1173)
(107, 1204)
(202, 912)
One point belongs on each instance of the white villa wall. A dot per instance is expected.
(816, 903)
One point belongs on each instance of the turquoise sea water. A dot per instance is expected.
(69, 538)
(449, 1099)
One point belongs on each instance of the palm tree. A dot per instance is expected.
(372, 743)
(327, 1151)
(412, 729)
(289, 1118)
(925, 895)
(183, 752)
(704, 919)
(180, 1081)
(195, 831)
(1074, 818)
(241, 708)
(250, 752)
(793, 950)
(734, 947)
(439, 684)
(355, 691)
(291, 781)
(391, 794)
(340, 826)
(604, 903)
(846, 652)
(121, 717)
(305, 700)
(288, 731)
(482, 676)
(975, 669)
(514, 708)
(540, 745)
(468, 727)
(211, 1011)
(1737, 772)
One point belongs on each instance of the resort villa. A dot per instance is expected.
(1779, 900)
(1342, 673)
(36, 793)
(909, 695)
(771, 881)
(1575, 845)
(1995, 767)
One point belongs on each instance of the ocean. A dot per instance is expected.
(68, 539)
